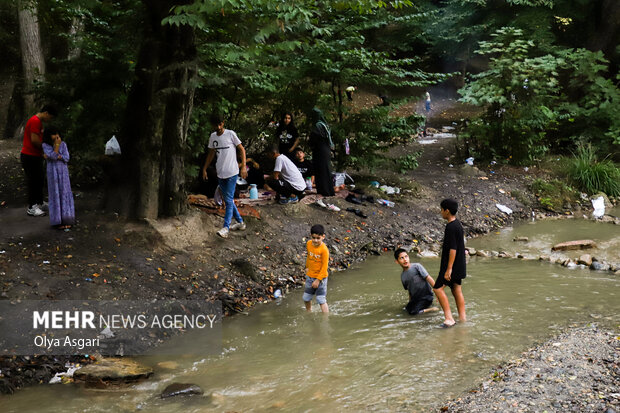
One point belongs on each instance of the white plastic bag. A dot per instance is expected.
(112, 147)
(504, 209)
(599, 207)
(341, 178)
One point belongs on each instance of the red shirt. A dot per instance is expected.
(33, 125)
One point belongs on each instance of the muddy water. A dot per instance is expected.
(368, 355)
(544, 234)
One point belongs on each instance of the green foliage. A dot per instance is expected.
(371, 133)
(591, 105)
(553, 194)
(9, 48)
(90, 89)
(591, 175)
(517, 91)
(537, 102)
(408, 162)
(303, 56)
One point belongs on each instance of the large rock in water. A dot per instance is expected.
(181, 389)
(113, 371)
(574, 245)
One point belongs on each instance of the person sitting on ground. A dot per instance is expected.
(418, 282)
(304, 165)
(255, 174)
(317, 261)
(287, 181)
(287, 135)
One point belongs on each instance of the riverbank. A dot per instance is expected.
(107, 257)
(577, 371)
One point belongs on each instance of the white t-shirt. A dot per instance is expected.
(225, 146)
(289, 172)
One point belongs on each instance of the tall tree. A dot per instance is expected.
(33, 61)
(157, 116)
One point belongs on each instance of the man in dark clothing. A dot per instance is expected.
(417, 282)
(32, 159)
(452, 270)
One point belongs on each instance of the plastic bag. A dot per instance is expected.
(112, 147)
(341, 178)
(599, 207)
(504, 209)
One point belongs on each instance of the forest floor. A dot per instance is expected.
(107, 257)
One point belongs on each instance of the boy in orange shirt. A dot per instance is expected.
(316, 269)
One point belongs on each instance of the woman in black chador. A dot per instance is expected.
(321, 143)
(287, 136)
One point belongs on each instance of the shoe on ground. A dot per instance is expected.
(320, 203)
(35, 211)
(239, 226)
(283, 201)
(293, 200)
(223, 232)
(333, 207)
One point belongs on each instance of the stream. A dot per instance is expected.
(369, 355)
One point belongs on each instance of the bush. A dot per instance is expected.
(553, 194)
(591, 175)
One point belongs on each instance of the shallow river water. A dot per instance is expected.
(368, 355)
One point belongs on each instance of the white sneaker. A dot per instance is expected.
(35, 211)
(333, 207)
(320, 203)
(223, 232)
(239, 226)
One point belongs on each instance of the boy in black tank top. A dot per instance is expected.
(453, 269)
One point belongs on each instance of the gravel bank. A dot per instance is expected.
(577, 371)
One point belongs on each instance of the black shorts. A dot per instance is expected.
(454, 280)
(418, 306)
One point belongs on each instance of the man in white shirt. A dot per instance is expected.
(287, 181)
(225, 144)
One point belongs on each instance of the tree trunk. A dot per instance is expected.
(606, 28)
(32, 53)
(76, 33)
(157, 118)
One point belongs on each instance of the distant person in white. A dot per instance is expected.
(287, 181)
(428, 102)
(226, 144)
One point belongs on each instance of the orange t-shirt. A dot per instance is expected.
(32, 126)
(317, 260)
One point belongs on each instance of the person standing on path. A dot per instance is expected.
(31, 157)
(453, 268)
(321, 142)
(56, 154)
(427, 103)
(226, 144)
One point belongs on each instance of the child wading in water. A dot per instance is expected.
(316, 269)
(60, 197)
(453, 268)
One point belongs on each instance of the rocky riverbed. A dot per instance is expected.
(577, 371)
